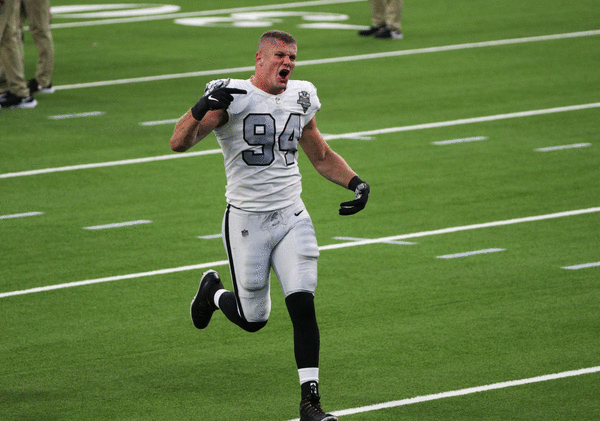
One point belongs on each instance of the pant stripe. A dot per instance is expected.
(231, 265)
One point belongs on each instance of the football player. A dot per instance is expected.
(259, 123)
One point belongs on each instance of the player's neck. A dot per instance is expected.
(260, 84)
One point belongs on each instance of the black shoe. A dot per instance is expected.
(203, 306)
(385, 33)
(10, 100)
(369, 32)
(310, 409)
(34, 87)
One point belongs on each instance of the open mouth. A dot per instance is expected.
(284, 73)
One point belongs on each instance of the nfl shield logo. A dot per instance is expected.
(244, 233)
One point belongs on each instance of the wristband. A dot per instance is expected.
(200, 109)
(354, 183)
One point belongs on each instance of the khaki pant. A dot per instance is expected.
(386, 13)
(37, 13)
(11, 49)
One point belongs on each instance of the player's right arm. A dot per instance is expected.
(189, 131)
(208, 114)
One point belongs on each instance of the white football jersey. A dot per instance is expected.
(260, 143)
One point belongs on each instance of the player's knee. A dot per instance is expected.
(301, 305)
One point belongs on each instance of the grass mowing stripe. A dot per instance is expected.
(468, 391)
(326, 137)
(338, 59)
(329, 247)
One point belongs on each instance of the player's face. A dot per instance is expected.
(275, 62)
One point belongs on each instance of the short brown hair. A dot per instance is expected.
(278, 35)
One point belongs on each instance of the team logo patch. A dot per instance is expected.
(216, 84)
(304, 100)
(244, 233)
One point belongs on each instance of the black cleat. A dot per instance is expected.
(35, 87)
(385, 33)
(369, 31)
(203, 306)
(9, 100)
(310, 409)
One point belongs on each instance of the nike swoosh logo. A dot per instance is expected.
(298, 213)
(212, 98)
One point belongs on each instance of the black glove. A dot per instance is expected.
(361, 195)
(219, 99)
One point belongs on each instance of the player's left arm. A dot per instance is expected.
(333, 167)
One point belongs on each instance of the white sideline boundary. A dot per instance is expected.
(327, 137)
(321, 248)
(463, 392)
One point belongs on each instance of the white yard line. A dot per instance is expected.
(449, 123)
(322, 248)
(403, 243)
(327, 137)
(20, 215)
(454, 141)
(462, 228)
(469, 253)
(110, 163)
(582, 266)
(79, 115)
(114, 278)
(117, 225)
(198, 14)
(359, 57)
(562, 147)
(468, 391)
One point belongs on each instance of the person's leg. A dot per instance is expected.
(393, 15)
(378, 13)
(248, 251)
(11, 57)
(295, 264)
(38, 16)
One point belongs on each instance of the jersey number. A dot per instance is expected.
(260, 130)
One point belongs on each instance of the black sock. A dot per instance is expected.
(301, 307)
(228, 305)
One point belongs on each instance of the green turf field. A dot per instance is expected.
(450, 126)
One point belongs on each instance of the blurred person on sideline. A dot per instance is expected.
(387, 17)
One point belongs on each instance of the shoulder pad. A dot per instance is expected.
(216, 84)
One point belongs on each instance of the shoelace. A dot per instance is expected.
(313, 406)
